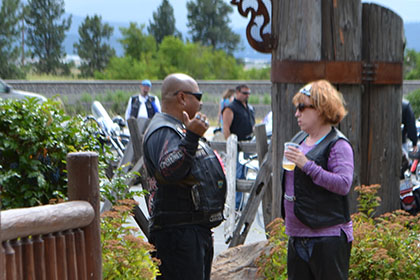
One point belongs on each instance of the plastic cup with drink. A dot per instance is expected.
(287, 164)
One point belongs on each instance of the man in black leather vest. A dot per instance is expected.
(239, 119)
(186, 183)
(143, 105)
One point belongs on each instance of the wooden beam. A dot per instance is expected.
(251, 208)
(83, 184)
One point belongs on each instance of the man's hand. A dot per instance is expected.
(415, 148)
(199, 124)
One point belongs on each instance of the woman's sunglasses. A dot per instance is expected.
(302, 106)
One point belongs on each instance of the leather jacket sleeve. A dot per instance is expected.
(170, 155)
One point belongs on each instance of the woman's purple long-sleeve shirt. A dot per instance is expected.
(338, 180)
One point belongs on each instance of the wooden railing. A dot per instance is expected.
(60, 241)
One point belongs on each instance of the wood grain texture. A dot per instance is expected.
(45, 219)
(83, 184)
(381, 110)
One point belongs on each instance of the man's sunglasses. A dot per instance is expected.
(197, 95)
(302, 106)
(246, 92)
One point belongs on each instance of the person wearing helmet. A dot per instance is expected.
(143, 105)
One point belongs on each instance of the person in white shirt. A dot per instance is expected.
(143, 105)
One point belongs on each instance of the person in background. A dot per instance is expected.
(187, 184)
(239, 119)
(408, 121)
(144, 104)
(227, 97)
(315, 194)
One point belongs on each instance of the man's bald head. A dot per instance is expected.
(177, 82)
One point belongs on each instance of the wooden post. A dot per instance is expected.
(81, 254)
(381, 157)
(3, 256)
(83, 184)
(28, 259)
(296, 24)
(51, 256)
(71, 254)
(61, 256)
(137, 128)
(262, 148)
(39, 257)
(251, 207)
(342, 41)
(232, 155)
(10, 271)
(17, 247)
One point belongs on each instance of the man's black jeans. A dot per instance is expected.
(185, 252)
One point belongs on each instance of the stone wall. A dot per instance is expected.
(73, 90)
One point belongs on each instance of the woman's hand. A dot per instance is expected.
(295, 155)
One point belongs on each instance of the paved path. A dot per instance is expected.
(255, 234)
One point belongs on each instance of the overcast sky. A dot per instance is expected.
(141, 11)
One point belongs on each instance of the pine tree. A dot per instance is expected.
(46, 33)
(163, 23)
(10, 15)
(94, 53)
(208, 21)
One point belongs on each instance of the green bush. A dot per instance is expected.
(124, 254)
(34, 141)
(386, 247)
(414, 98)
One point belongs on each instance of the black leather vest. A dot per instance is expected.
(135, 106)
(315, 206)
(243, 120)
(197, 199)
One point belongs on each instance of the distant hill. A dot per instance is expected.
(412, 33)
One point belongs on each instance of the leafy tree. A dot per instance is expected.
(46, 30)
(126, 68)
(91, 48)
(135, 43)
(208, 21)
(192, 58)
(412, 65)
(163, 23)
(9, 36)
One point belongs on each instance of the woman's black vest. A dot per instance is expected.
(197, 199)
(315, 206)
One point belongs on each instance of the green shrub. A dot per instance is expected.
(274, 265)
(125, 255)
(254, 99)
(34, 141)
(267, 99)
(414, 98)
(386, 247)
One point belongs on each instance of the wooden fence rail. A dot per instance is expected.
(60, 241)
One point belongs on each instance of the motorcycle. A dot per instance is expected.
(110, 130)
(410, 187)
